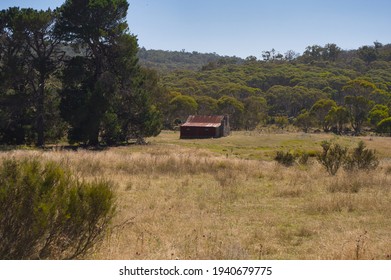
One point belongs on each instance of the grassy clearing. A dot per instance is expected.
(188, 199)
(258, 145)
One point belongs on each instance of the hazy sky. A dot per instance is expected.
(248, 27)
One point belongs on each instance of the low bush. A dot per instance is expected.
(361, 158)
(285, 158)
(304, 158)
(289, 158)
(332, 157)
(46, 213)
(384, 126)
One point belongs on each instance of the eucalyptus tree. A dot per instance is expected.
(234, 108)
(358, 101)
(320, 110)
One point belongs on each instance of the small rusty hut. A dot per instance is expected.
(205, 127)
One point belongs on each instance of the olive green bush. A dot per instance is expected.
(46, 213)
(290, 158)
(332, 156)
(285, 158)
(361, 158)
(335, 156)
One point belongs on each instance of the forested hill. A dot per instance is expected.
(325, 87)
(166, 61)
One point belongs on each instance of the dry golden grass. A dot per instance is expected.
(178, 202)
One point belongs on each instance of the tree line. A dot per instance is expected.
(73, 72)
(166, 61)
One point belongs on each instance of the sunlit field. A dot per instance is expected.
(227, 199)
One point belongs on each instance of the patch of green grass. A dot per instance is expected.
(260, 146)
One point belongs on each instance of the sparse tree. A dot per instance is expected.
(337, 117)
(182, 106)
(368, 53)
(320, 110)
(331, 52)
(232, 107)
(251, 58)
(305, 120)
(358, 102)
(291, 55)
(313, 52)
(255, 110)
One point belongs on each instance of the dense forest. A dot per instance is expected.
(77, 74)
(324, 88)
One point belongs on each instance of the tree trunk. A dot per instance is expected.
(94, 138)
(40, 113)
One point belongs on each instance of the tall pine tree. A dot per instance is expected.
(30, 56)
(103, 98)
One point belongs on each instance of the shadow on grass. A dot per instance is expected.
(54, 147)
(7, 148)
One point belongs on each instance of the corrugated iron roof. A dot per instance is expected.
(201, 124)
(207, 121)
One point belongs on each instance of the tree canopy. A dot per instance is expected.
(96, 93)
(327, 82)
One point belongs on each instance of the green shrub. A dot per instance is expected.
(384, 126)
(45, 213)
(303, 158)
(361, 158)
(285, 158)
(332, 157)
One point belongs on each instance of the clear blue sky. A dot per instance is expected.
(248, 27)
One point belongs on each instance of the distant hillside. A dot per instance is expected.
(167, 61)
